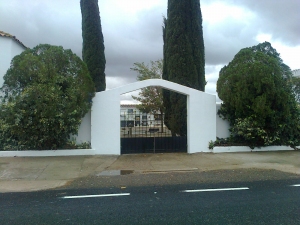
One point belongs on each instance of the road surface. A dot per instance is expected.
(246, 202)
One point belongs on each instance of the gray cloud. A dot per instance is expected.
(35, 22)
(277, 17)
(127, 41)
(224, 40)
(143, 43)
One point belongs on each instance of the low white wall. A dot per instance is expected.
(44, 153)
(222, 126)
(83, 152)
(84, 131)
(219, 149)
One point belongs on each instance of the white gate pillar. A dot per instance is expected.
(201, 121)
(105, 123)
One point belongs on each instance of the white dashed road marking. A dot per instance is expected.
(217, 189)
(97, 196)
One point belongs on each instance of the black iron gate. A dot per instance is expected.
(146, 133)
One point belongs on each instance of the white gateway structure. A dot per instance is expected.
(105, 116)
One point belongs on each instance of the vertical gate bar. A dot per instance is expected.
(154, 145)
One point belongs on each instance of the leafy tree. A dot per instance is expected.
(267, 49)
(257, 98)
(184, 59)
(93, 42)
(46, 92)
(150, 97)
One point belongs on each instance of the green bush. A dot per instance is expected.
(46, 92)
(258, 100)
(248, 131)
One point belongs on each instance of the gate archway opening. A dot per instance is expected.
(143, 128)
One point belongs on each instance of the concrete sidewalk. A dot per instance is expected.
(39, 173)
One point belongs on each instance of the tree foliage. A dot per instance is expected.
(46, 92)
(268, 50)
(93, 42)
(151, 98)
(257, 98)
(184, 58)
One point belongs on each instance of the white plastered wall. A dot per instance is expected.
(84, 130)
(223, 126)
(9, 48)
(105, 116)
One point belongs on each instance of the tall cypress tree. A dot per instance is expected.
(183, 58)
(93, 42)
(166, 93)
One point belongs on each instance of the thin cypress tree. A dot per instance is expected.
(184, 58)
(93, 42)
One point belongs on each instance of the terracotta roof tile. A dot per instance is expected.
(128, 105)
(3, 34)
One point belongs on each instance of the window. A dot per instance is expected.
(157, 116)
(129, 110)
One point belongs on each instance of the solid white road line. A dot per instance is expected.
(97, 196)
(217, 189)
(296, 185)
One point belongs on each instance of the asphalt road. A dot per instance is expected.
(245, 202)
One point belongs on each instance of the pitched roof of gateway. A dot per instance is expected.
(3, 34)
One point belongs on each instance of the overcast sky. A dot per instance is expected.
(132, 30)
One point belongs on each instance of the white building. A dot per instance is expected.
(296, 73)
(10, 46)
(131, 116)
